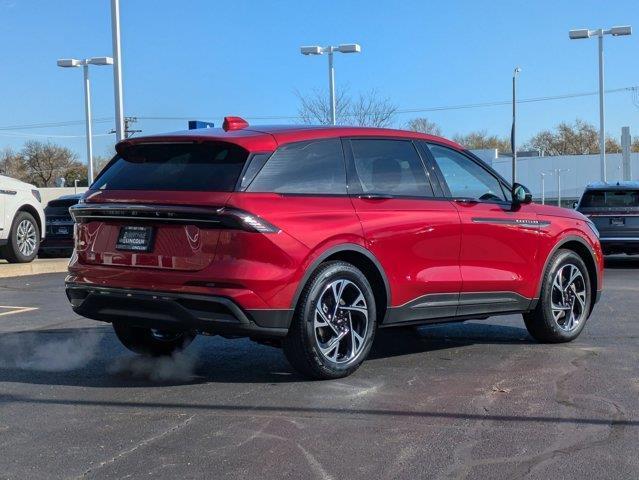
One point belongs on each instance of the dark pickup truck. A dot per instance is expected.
(614, 209)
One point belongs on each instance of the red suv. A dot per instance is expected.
(312, 238)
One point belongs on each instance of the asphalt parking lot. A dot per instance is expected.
(478, 399)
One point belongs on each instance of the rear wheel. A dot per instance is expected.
(24, 239)
(565, 302)
(149, 341)
(334, 323)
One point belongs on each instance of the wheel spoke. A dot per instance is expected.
(574, 273)
(359, 305)
(323, 320)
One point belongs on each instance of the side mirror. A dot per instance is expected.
(521, 195)
(574, 205)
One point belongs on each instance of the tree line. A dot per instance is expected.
(44, 163)
(372, 110)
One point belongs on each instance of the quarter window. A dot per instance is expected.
(390, 167)
(465, 178)
(313, 167)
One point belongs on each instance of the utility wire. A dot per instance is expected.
(69, 123)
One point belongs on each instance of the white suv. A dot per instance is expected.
(21, 220)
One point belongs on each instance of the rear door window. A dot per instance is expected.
(210, 166)
(610, 198)
(312, 167)
(390, 167)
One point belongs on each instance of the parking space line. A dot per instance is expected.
(13, 310)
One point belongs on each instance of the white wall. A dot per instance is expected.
(583, 169)
(51, 193)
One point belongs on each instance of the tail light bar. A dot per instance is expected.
(221, 217)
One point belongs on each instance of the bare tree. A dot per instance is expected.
(315, 109)
(44, 162)
(423, 125)
(11, 165)
(579, 138)
(99, 162)
(482, 140)
(368, 109)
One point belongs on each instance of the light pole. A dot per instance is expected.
(543, 187)
(513, 145)
(558, 172)
(316, 50)
(117, 70)
(599, 33)
(72, 62)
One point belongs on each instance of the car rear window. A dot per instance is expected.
(610, 198)
(210, 166)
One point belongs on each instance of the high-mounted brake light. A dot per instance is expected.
(234, 123)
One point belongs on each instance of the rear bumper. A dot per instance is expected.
(176, 311)
(619, 244)
(57, 243)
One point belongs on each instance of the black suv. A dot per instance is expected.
(614, 209)
(59, 226)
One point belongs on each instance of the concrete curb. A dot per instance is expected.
(37, 267)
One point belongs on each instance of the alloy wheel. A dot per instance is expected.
(568, 302)
(341, 321)
(26, 238)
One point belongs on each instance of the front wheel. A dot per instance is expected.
(565, 302)
(334, 323)
(150, 341)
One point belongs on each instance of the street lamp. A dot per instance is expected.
(543, 186)
(513, 145)
(72, 62)
(316, 50)
(558, 172)
(120, 128)
(599, 33)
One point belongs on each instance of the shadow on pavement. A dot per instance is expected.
(32, 357)
(313, 411)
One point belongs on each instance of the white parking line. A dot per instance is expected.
(13, 310)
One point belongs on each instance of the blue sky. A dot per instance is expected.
(205, 59)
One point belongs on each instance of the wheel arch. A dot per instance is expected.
(30, 209)
(585, 251)
(364, 260)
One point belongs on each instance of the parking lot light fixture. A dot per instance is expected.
(599, 33)
(317, 50)
(72, 63)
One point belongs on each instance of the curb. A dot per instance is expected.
(37, 267)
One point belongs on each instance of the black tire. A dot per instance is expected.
(301, 345)
(11, 251)
(151, 342)
(541, 323)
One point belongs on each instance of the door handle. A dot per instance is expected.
(375, 196)
(466, 201)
